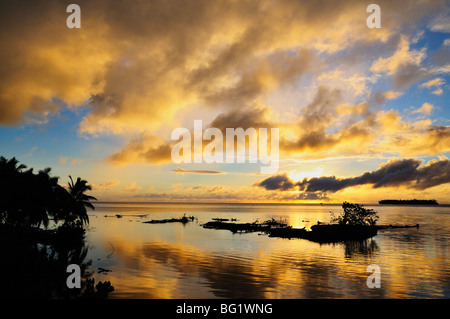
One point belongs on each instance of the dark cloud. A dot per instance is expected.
(407, 172)
(323, 184)
(280, 182)
(256, 117)
(433, 174)
(314, 121)
(322, 110)
(409, 75)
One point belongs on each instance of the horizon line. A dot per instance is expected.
(256, 203)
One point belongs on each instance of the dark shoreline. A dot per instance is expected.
(415, 202)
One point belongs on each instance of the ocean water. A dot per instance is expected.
(188, 261)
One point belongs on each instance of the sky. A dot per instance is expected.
(363, 114)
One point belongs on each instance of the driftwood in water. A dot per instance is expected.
(237, 227)
(183, 220)
(103, 270)
(224, 219)
(120, 216)
(245, 227)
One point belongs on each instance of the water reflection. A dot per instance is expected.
(183, 271)
(34, 265)
(362, 247)
(355, 248)
(176, 261)
(35, 269)
(226, 276)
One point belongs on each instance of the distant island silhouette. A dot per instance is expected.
(408, 202)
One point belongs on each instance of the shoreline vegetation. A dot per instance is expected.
(355, 223)
(42, 231)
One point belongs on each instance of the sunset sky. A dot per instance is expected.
(363, 114)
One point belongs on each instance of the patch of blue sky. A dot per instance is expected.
(45, 144)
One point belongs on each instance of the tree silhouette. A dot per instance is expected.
(11, 165)
(32, 200)
(355, 214)
(78, 202)
(33, 255)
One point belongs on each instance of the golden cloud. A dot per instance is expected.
(435, 82)
(105, 185)
(323, 128)
(132, 187)
(139, 65)
(426, 108)
(402, 58)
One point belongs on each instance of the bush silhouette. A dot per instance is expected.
(355, 214)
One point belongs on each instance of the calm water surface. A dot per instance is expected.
(187, 261)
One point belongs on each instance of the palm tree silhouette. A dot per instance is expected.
(13, 198)
(11, 165)
(78, 202)
(41, 202)
(32, 200)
